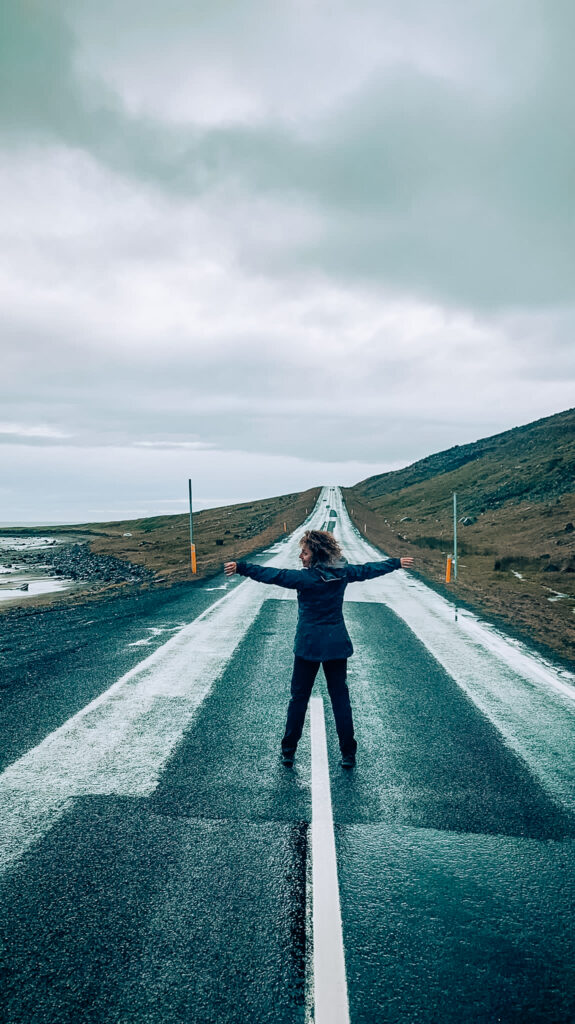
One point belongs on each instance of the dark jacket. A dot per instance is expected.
(321, 632)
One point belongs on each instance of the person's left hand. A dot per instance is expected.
(406, 563)
(230, 568)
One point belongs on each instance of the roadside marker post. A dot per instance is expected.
(192, 545)
(448, 569)
(454, 535)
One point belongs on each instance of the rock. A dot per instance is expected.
(569, 528)
(551, 567)
(24, 586)
(468, 520)
(76, 562)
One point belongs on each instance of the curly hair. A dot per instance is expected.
(323, 546)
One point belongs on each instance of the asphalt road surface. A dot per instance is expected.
(159, 863)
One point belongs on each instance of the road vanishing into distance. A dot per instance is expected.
(159, 864)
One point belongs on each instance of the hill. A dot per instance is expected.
(162, 543)
(101, 556)
(516, 510)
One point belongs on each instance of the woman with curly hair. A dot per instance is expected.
(321, 635)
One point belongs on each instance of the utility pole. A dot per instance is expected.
(454, 535)
(192, 545)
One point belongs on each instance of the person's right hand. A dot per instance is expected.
(406, 563)
(230, 568)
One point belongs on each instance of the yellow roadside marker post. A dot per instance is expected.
(192, 545)
(454, 535)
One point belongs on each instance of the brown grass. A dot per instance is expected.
(525, 538)
(162, 544)
(220, 535)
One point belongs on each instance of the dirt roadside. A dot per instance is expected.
(126, 573)
(122, 559)
(514, 565)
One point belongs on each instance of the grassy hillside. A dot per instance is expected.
(516, 510)
(220, 534)
(162, 544)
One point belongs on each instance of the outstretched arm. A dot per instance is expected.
(369, 570)
(289, 578)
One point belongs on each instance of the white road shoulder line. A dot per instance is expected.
(527, 699)
(120, 742)
(330, 984)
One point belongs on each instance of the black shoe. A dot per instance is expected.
(348, 761)
(287, 757)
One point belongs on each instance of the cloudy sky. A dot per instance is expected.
(268, 245)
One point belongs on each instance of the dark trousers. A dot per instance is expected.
(303, 678)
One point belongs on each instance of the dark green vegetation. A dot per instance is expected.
(516, 516)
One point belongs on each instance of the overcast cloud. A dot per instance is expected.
(269, 246)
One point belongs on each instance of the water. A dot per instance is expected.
(15, 575)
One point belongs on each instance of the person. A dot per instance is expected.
(321, 635)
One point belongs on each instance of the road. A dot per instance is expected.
(159, 864)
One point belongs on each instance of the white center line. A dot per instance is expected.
(330, 984)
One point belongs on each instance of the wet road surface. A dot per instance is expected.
(179, 887)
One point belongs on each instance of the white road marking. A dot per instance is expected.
(120, 742)
(154, 632)
(530, 701)
(329, 979)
